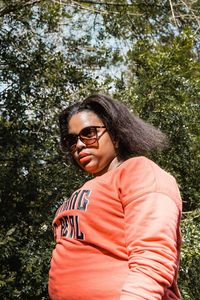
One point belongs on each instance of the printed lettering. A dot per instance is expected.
(78, 200)
(73, 200)
(79, 234)
(70, 227)
(83, 201)
(70, 224)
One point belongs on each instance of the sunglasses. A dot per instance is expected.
(88, 135)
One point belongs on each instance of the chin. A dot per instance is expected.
(90, 169)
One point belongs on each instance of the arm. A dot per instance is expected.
(151, 228)
(151, 234)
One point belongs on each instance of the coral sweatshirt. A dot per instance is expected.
(118, 237)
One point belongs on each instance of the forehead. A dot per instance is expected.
(83, 119)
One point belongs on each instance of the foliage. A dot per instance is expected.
(53, 53)
(189, 271)
(37, 78)
(165, 90)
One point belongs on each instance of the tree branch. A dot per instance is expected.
(80, 3)
(172, 10)
(16, 7)
(104, 3)
(193, 14)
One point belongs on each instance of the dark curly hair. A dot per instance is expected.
(134, 136)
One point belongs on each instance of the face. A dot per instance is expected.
(98, 157)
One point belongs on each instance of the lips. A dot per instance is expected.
(84, 157)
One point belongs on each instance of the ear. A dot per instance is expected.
(116, 144)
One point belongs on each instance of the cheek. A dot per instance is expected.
(108, 151)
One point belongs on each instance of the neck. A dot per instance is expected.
(112, 165)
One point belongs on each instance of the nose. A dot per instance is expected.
(80, 144)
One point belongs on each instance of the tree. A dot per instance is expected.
(53, 53)
(37, 79)
(165, 92)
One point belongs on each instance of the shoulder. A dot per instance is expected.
(142, 167)
(140, 175)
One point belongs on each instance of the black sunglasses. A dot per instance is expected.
(87, 135)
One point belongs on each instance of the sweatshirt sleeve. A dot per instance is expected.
(151, 228)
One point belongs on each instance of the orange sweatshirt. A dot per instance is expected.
(118, 237)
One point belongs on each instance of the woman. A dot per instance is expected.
(118, 236)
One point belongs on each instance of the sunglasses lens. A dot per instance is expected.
(88, 132)
(88, 135)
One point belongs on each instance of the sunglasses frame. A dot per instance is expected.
(84, 139)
